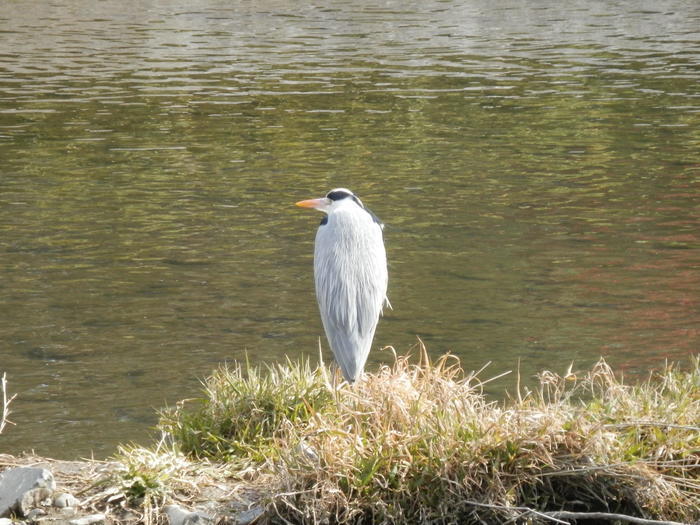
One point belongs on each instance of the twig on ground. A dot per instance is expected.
(650, 424)
(607, 516)
(559, 516)
(523, 510)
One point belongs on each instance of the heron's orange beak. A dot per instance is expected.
(312, 203)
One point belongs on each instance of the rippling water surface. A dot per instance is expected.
(537, 165)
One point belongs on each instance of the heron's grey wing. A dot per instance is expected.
(372, 279)
(351, 281)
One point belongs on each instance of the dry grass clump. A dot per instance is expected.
(420, 443)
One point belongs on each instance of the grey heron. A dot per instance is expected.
(351, 276)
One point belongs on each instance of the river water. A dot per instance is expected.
(537, 165)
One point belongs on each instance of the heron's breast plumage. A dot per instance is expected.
(350, 260)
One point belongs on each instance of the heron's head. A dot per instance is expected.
(336, 197)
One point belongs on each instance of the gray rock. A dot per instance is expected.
(199, 518)
(249, 516)
(33, 499)
(176, 514)
(91, 519)
(15, 482)
(35, 514)
(5, 521)
(63, 499)
(179, 516)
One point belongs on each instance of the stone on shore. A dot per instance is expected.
(179, 516)
(63, 500)
(21, 487)
(249, 516)
(92, 519)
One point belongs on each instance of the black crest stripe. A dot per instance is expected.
(338, 194)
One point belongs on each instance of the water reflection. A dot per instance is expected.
(537, 168)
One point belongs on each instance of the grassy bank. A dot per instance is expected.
(419, 442)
